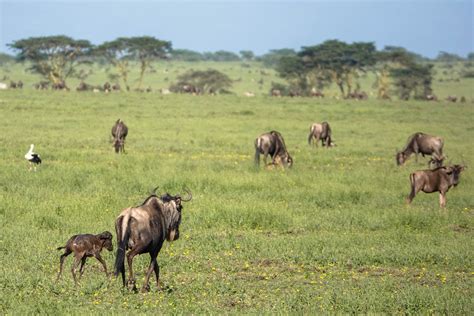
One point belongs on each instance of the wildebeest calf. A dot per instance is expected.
(436, 180)
(84, 246)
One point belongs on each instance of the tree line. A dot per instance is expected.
(313, 68)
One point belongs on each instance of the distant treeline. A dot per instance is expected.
(307, 72)
(269, 59)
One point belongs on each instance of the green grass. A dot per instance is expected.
(332, 234)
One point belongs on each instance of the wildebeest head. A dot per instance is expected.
(106, 237)
(454, 172)
(118, 144)
(172, 207)
(401, 157)
(436, 162)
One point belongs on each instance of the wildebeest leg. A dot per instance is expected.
(442, 199)
(151, 267)
(130, 255)
(77, 260)
(66, 253)
(157, 273)
(81, 269)
(98, 257)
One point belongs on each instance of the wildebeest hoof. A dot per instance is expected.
(145, 289)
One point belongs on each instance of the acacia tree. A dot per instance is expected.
(202, 82)
(145, 49)
(331, 61)
(54, 57)
(340, 61)
(409, 77)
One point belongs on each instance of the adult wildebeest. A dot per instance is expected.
(272, 144)
(107, 87)
(452, 98)
(320, 132)
(119, 132)
(143, 229)
(275, 93)
(438, 180)
(421, 143)
(84, 246)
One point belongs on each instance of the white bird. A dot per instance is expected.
(32, 157)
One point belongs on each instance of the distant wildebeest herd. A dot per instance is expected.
(144, 228)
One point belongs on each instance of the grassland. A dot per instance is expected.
(332, 234)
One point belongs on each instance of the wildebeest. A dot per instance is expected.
(107, 87)
(320, 132)
(116, 87)
(84, 246)
(437, 180)
(60, 85)
(42, 85)
(431, 97)
(119, 132)
(316, 93)
(358, 95)
(452, 98)
(275, 93)
(272, 144)
(143, 229)
(421, 143)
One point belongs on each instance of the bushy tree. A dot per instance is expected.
(247, 55)
(409, 77)
(145, 49)
(332, 61)
(53, 57)
(202, 82)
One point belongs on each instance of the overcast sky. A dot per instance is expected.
(423, 26)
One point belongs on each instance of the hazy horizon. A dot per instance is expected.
(424, 27)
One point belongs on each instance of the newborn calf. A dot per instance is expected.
(83, 246)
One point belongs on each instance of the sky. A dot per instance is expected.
(422, 26)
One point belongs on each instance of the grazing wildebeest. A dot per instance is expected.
(358, 95)
(436, 162)
(451, 98)
(320, 132)
(272, 144)
(42, 85)
(119, 132)
(316, 93)
(421, 143)
(60, 85)
(275, 93)
(107, 87)
(438, 180)
(84, 246)
(143, 229)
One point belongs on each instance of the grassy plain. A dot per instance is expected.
(332, 234)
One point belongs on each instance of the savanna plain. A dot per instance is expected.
(330, 234)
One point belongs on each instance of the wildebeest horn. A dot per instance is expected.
(189, 195)
(154, 190)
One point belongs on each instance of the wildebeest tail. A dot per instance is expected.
(257, 151)
(121, 226)
(310, 136)
(412, 192)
